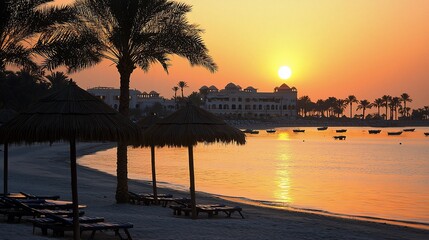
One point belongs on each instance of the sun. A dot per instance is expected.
(285, 72)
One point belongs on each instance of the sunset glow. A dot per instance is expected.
(285, 72)
(367, 48)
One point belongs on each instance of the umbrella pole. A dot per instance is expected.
(5, 169)
(73, 168)
(155, 192)
(192, 182)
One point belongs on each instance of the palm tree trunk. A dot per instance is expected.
(73, 170)
(351, 110)
(152, 157)
(125, 71)
(192, 182)
(5, 169)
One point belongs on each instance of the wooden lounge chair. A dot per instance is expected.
(48, 222)
(93, 225)
(31, 196)
(148, 199)
(210, 209)
(14, 210)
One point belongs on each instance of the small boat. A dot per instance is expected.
(394, 133)
(376, 131)
(251, 131)
(341, 130)
(322, 128)
(298, 130)
(340, 137)
(427, 133)
(409, 129)
(270, 130)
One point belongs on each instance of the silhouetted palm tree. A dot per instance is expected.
(378, 102)
(132, 34)
(20, 21)
(340, 105)
(304, 103)
(175, 89)
(386, 100)
(363, 104)
(394, 103)
(405, 98)
(57, 80)
(350, 100)
(182, 85)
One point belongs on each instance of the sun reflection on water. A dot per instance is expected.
(283, 136)
(282, 193)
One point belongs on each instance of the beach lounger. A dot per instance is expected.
(92, 225)
(24, 195)
(50, 223)
(148, 199)
(210, 209)
(15, 209)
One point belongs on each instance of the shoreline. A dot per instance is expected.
(97, 189)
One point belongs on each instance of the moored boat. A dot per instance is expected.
(270, 130)
(341, 130)
(298, 130)
(322, 128)
(427, 133)
(251, 131)
(394, 133)
(409, 129)
(340, 137)
(374, 131)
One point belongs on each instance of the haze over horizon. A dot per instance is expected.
(367, 48)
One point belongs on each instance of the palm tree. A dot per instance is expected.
(175, 89)
(182, 85)
(378, 102)
(363, 104)
(131, 34)
(386, 100)
(350, 100)
(394, 103)
(406, 98)
(57, 80)
(20, 21)
(340, 105)
(304, 103)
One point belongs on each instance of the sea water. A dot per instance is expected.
(367, 175)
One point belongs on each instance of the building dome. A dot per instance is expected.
(283, 87)
(231, 86)
(212, 87)
(203, 87)
(153, 93)
(250, 89)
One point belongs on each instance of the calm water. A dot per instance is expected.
(366, 175)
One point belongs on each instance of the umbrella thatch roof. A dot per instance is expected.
(68, 113)
(6, 114)
(190, 125)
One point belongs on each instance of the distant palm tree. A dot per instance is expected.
(364, 104)
(378, 102)
(350, 100)
(406, 98)
(304, 103)
(331, 104)
(175, 89)
(182, 85)
(57, 80)
(20, 21)
(340, 105)
(132, 34)
(386, 100)
(394, 103)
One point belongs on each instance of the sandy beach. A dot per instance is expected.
(43, 169)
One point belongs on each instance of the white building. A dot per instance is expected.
(233, 101)
(138, 100)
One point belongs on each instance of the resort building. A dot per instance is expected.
(138, 100)
(233, 101)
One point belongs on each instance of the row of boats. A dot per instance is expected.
(371, 131)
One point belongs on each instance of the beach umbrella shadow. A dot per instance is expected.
(144, 124)
(70, 114)
(185, 128)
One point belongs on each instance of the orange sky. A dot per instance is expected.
(368, 48)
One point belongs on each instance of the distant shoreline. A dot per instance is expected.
(325, 122)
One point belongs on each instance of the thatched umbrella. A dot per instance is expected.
(185, 128)
(70, 114)
(144, 124)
